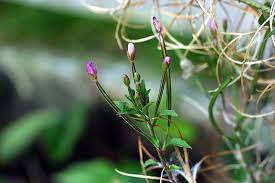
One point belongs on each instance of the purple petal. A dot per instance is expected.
(90, 69)
(157, 24)
(131, 51)
(167, 60)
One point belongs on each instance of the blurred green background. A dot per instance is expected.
(54, 125)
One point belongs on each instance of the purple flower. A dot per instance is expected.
(91, 70)
(131, 52)
(213, 26)
(157, 25)
(167, 60)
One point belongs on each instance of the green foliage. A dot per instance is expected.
(59, 141)
(150, 162)
(214, 96)
(175, 167)
(265, 15)
(91, 171)
(179, 142)
(96, 171)
(167, 112)
(21, 134)
(124, 108)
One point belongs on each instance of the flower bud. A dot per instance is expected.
(131, 52)
(167, 60)
(136, 77)
(91, 70)
(213, 26)
(126, 80)
(157, 25)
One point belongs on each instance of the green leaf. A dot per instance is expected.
(155, 142)
(175, 167)
(150, 162)
(265, 15)
(179, 142)
(147, 92)
(60, 140)
(125, 109)
(123, 106)
(146, 107)
(21, 134)
(91, 171)
(168, 113)
(128, 112)
(129, 98)
(212, 102)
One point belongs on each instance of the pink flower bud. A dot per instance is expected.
(91, 70)
(157, 25)
(213, 26)
(131, 52)
(167, 60)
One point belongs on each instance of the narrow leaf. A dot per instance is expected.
(179, 142)
(168, 113)
(150, 162)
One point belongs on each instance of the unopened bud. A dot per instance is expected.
(213, 26)
(167, 60)
(131, 52)
(136, 77)
(91, 70)
(126, 80)
(157, 25)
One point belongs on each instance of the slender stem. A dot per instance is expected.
(161, 88)
(168, 87)
(141, 158)
(245, 165)
(185, 164)
(116, 109)
(130, 123)
(186, 159)
(259, 56)
(213, 99)
(164, 163)
(160, 153)
(169, 103)
(169, 94)
(218, 127)
(134, 70)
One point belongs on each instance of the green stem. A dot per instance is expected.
(259, 56)
(213, 99)
(124, 117)
(134, 70)
(168, 87)
(160, 153)
(218, 127)
(161, 88)
(169, 94)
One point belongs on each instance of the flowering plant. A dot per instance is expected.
(138, 109)
(230, 55)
